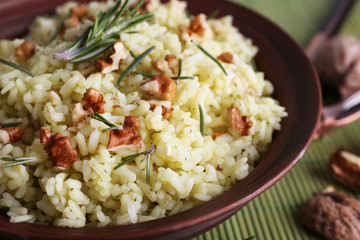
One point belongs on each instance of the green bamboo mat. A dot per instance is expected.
(272, 214)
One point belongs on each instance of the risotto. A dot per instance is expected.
(171, 115)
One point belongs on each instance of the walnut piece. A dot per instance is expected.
(58, 148)
(337, 61)
(93, 101)
(129, 135)
(218, 134)
(345, 166)
(226, 57)
(240, 123)
(79, 11)
(10, 135)
(78, 114)
(334, 215)
(76, 13)
(166, 108)
(160, 86)
(25, 51)
(170, 62)
(114, 61)
(198, 29)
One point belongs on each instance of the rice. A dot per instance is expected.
(186, 169)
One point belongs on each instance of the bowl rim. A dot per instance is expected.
(172, 224)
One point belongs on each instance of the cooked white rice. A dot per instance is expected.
(183, 168)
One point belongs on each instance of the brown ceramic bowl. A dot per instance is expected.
(296, 87)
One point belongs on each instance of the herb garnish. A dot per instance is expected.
(13, 124)
(13, 65)
(214, 14)
(136, 61)
(100, 118)
(210, 56)
(253, 64)
(132, 157)
(59, 28)
(148, 75)
(202, 121)
(17, 161)
(132, 54)
(179, 72)
(104, 32)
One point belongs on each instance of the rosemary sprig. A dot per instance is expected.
(100, 118)
(202, 120)
(179, 72)
(132, 54)
(136, 61)
(253, 64)
(104, 32)
(13, 65)
(16, 161)
(148, 75)
(214, 14)
(210, 56)
(132, 157)
(59, 28)
(13, 124)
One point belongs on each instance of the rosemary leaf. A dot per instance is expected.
(59, 28)
(253, 64)
(202, 121)
(214, 14)
(100, 118)
(179, 72)
(5, 125)
(132, 54)
(132, 157)
(148, 168)
(14, 161)
(148, 75)
(136, 61)
(132, 32)
(210, 56)
(13, 65)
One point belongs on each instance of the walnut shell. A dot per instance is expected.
(345, 167)
(334, 215)
(335, 59)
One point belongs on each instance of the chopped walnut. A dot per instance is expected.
(173, 63)
(160, 86)
(240, 123)
(226, 57)
(10, 135)
(25, 51)
(71, 22)
(219, 167)
(197, 30)
(76, 13)
(218, 134)
(78, 113)
(114, 61)
(87, 71)
(166, 108)
(58, 148)
(160, 65)
(345, 166)
(170, 62)
(93, 101)
(129, 135)
(79, 11)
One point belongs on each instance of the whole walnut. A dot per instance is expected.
(338, 61)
